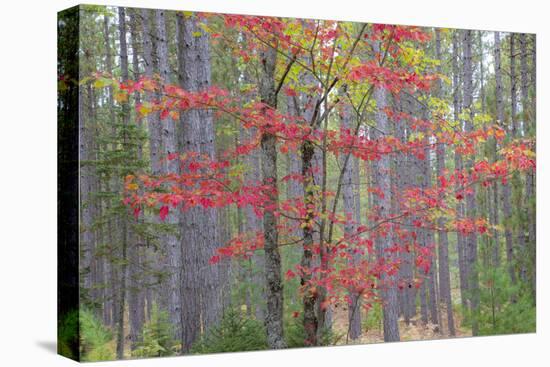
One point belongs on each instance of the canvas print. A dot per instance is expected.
(235, 182)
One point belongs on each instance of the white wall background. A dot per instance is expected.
(28, 182)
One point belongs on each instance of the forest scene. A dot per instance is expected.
(251, 183)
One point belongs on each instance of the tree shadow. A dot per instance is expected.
(48, 345)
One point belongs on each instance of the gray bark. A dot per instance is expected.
(429, 241)
(382, 178)
(506, 193)
(88, 182)
(109, 307)
(513, 85)
(404, 172)
(135, 292)
(457, 109)
(500, 120)
(442, 238)
(124, 243)
(516, 132)
(153, 119)
(202, 294)
(533, 180)
(173, 261)
(528, 130)
(86, 131)
(418, 180)
(471, 239)
(154, 129)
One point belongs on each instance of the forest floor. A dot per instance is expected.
(416, 330)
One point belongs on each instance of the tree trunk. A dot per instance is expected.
(382, 177)
(173, 261)
(442, 238)
(109, 307)
(135, 291)
(202, 294)
(86, 147)
(154, 129)
(516, 180)
(274, 285)
(124, 243)
(310, 162)
(471, 239)
(254, 224)
(457, 109)
(350, 197)
(528, 125)
(429, 241)
(506, 205)
(403, 166)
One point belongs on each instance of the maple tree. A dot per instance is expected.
(209, 185)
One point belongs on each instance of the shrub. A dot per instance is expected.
(235, 333)
(156, 340)
(295, 334)
(504, 308)
(95, 338)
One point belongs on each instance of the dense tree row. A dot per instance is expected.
(310, 182)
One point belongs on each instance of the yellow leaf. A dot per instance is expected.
(121, 97)
(102, 82)
(175, 115)
(99, 83)
(148, 85)
(145, 109)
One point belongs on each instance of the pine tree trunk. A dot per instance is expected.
(515, 181)
(442, 238)
(457, 109)
(154, 129)
(202, 293)
(135, 291)
(108, 310)
(471, 239)
(173, 262)
(382, 178)
(528, 131)
(403, 168)
(88, 239)
(124, 242)
(429, 241)
(506, 201)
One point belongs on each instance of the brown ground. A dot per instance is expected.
(414, 331)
